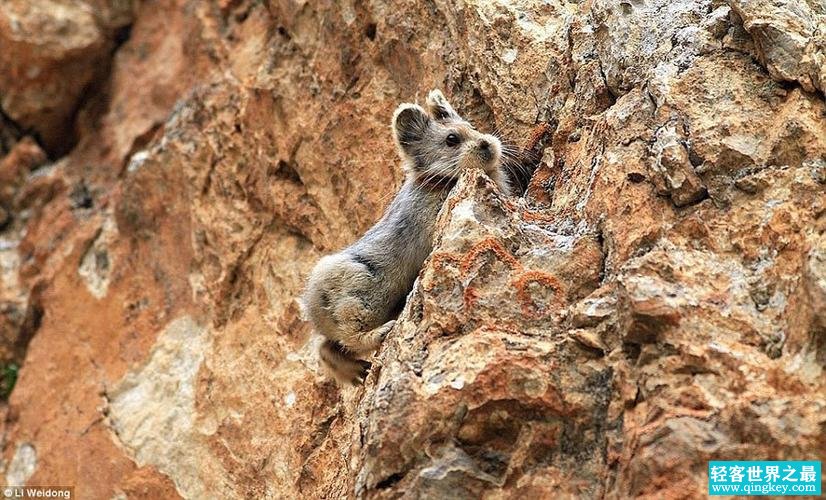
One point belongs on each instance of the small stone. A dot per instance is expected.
(509, 56)
(588, 338)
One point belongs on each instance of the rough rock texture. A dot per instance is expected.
(54, 52)
(656, 300)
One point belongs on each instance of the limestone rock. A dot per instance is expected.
(53, 52)
(790, 38)
(654, 301)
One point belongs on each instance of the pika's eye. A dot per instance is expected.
(452, 140)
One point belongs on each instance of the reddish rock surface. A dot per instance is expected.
(171, 171)
(55, 55)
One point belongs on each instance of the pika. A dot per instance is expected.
(353, 297)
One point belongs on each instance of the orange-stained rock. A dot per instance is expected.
(655, 301)
(24, 157)
(55, 51)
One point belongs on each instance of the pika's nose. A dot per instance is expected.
(484, 151)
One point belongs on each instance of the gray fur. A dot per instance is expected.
(352, 296)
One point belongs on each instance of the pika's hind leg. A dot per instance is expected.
(341, 365)
(341, 361)
(366, 342)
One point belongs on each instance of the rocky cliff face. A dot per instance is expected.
(172, 169)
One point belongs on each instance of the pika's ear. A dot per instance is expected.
(439, 108)
(410, 122)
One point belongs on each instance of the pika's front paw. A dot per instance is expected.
(341, 365)
(384, 329)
